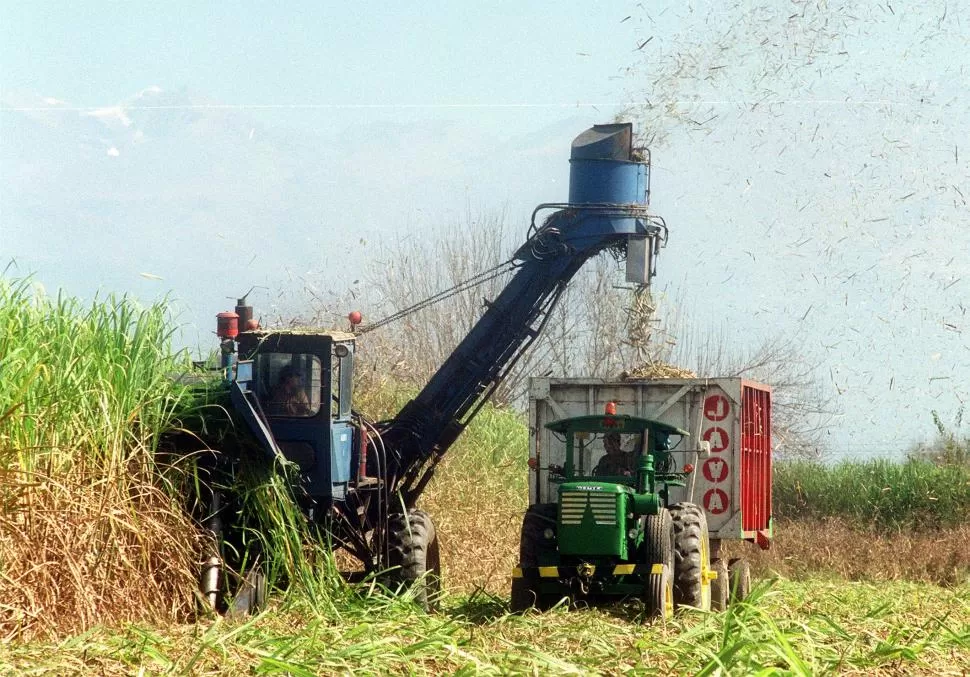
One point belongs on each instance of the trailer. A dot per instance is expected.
(719, 462)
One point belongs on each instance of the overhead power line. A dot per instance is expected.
(53, 108)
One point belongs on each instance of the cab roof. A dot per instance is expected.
(619, 423)
(335, 335)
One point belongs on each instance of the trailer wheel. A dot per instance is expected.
(740, 579)
(414, 556)
(692, 557)
(658, 555)
(720, 586)
(525, 591)
(740, 575)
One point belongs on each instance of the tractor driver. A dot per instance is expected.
(616, 461)
(288, 397)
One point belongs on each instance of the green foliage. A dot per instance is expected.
(91, 529)
(913, 494)
(82, 383)
(786, 627)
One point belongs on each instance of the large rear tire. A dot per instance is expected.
(414, 556)
(692, 557)
(658, 556)
(525, 590)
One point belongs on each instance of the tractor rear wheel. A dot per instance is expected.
(740, 579)
(658, 555)
(720, 586)
(692, 557)
(414, 556)
(525, 590)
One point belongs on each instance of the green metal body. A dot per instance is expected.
(597, 545)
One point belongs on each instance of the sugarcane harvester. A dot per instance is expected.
(360, 479)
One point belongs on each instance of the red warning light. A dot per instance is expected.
(533, 464)
(611, 409)
(227, 325)
(689, 468)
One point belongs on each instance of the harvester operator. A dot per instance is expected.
(288, 397)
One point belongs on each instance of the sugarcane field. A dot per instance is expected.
(542, 338)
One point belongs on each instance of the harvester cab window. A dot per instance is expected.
(342, 381)
(291, 383)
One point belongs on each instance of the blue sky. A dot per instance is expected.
(807, 158)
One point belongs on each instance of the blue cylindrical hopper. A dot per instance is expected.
(603, 169)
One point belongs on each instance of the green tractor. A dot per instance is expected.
(612, 532)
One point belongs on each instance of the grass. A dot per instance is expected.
(806, 549)
(98, 560)
(89, 530)
(788, 627)
(915, 494)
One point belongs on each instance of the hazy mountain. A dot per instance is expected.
(215, 199)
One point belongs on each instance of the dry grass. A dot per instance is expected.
(807, 548)
(477, 500)
(479, 534)
(800, 628)
(656, 369)
(89, 549)
(88, 533)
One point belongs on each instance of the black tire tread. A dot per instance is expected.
(658, 548)
(690, 532)
(720, 586)
(525, 594)
(414, 555)
(658, 544)
(656, 595)
(740, 575)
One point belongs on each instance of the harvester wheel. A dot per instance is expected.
(525, 591)
(250, 597)
(658, 554)
(720, 586)
(740, 579)
(414, 556)
(692, 557)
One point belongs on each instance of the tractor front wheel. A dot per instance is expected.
(692, 557)
(414, 556)
(525, 589)
(658, 556)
